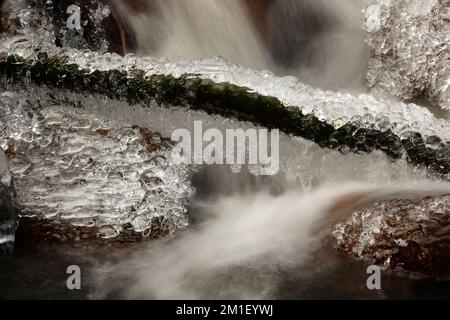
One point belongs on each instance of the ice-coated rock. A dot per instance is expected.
(402, 235)
(8, 210)
(91, 34)
(410, 49)
(333, 120)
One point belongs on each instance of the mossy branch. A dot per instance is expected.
(225, 99)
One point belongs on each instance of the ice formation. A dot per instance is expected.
(410, 50)
(401, 235)
(8, 210)
(77, 169)
(53, 145)
(334, 108)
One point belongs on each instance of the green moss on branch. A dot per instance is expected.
(225, 99)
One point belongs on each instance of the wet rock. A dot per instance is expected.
(401, 235)
(258, 11)
(55, 231)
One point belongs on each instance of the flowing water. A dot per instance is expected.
(319, 41)
(199, 29)
(85, 159)
(244, 244)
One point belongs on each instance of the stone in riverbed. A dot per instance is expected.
(411, 236)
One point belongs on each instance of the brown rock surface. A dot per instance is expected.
(401, 235)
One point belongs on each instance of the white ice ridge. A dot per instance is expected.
(333, 107)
